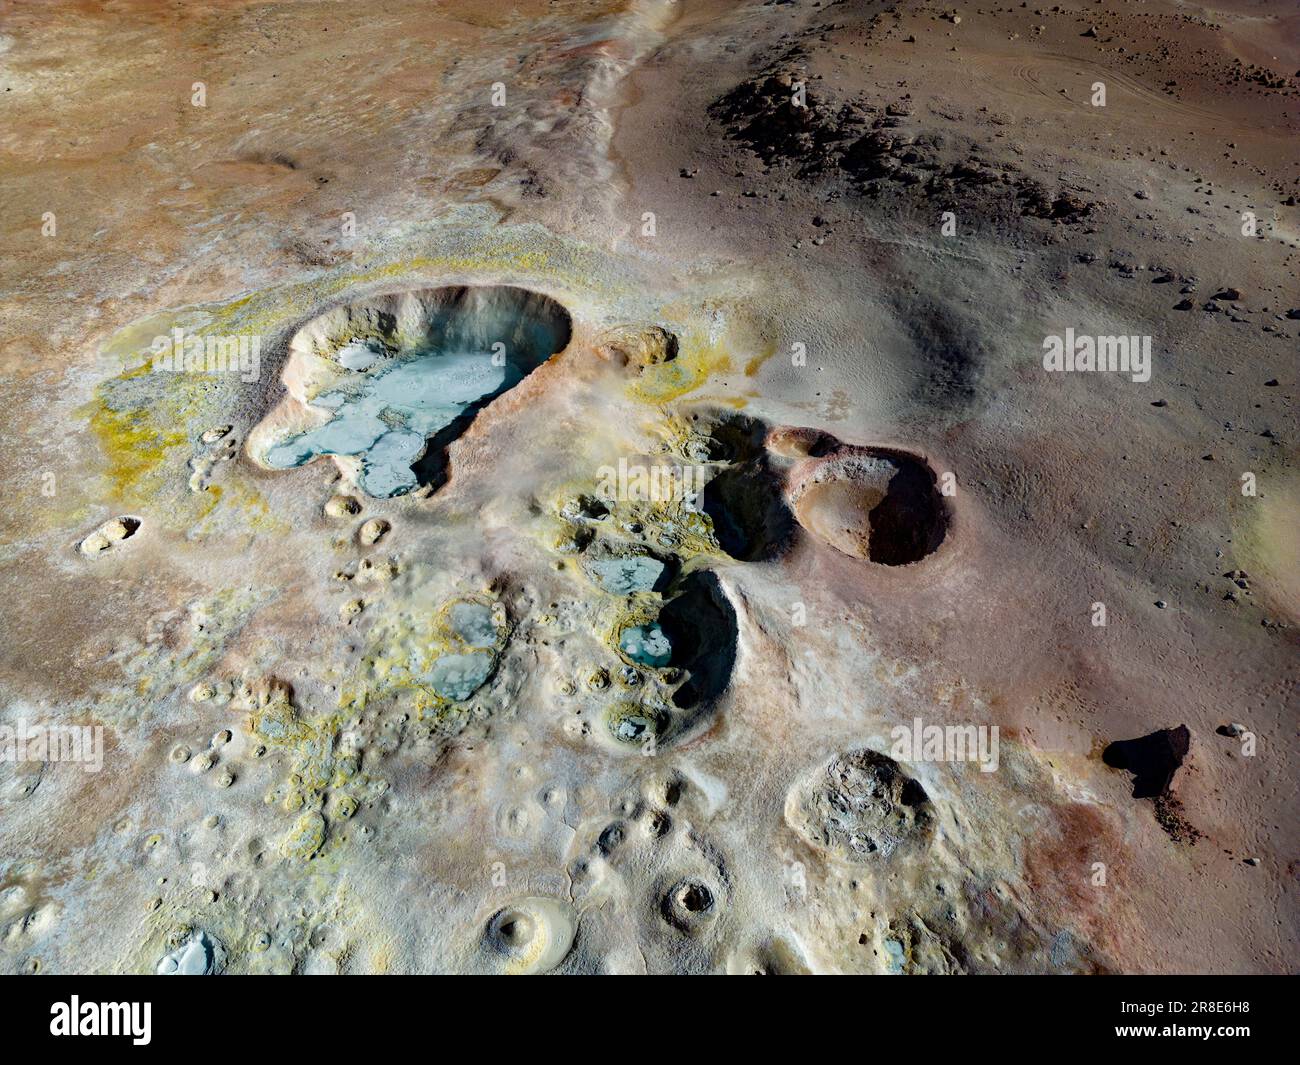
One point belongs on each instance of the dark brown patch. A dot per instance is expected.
(1059, 868)
(1169, 815)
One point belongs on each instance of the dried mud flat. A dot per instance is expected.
(391, 642)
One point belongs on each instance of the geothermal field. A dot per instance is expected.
(657, 486)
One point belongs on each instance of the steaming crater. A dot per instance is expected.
(384, 384)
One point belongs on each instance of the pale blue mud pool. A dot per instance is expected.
(626, 576)
(473, 623)
(646, 645)
(398, 399)
(386, 416)
(457, 677)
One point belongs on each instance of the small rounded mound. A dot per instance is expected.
(690, 905)
(109, 534)
(637, 346)
(633, 725)
(532, 935)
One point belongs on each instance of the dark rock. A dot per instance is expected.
(1152, 759)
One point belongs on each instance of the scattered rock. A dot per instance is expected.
(636, 346)
(372, 531)
(107, 535)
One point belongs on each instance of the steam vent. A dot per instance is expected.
(599, 487)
